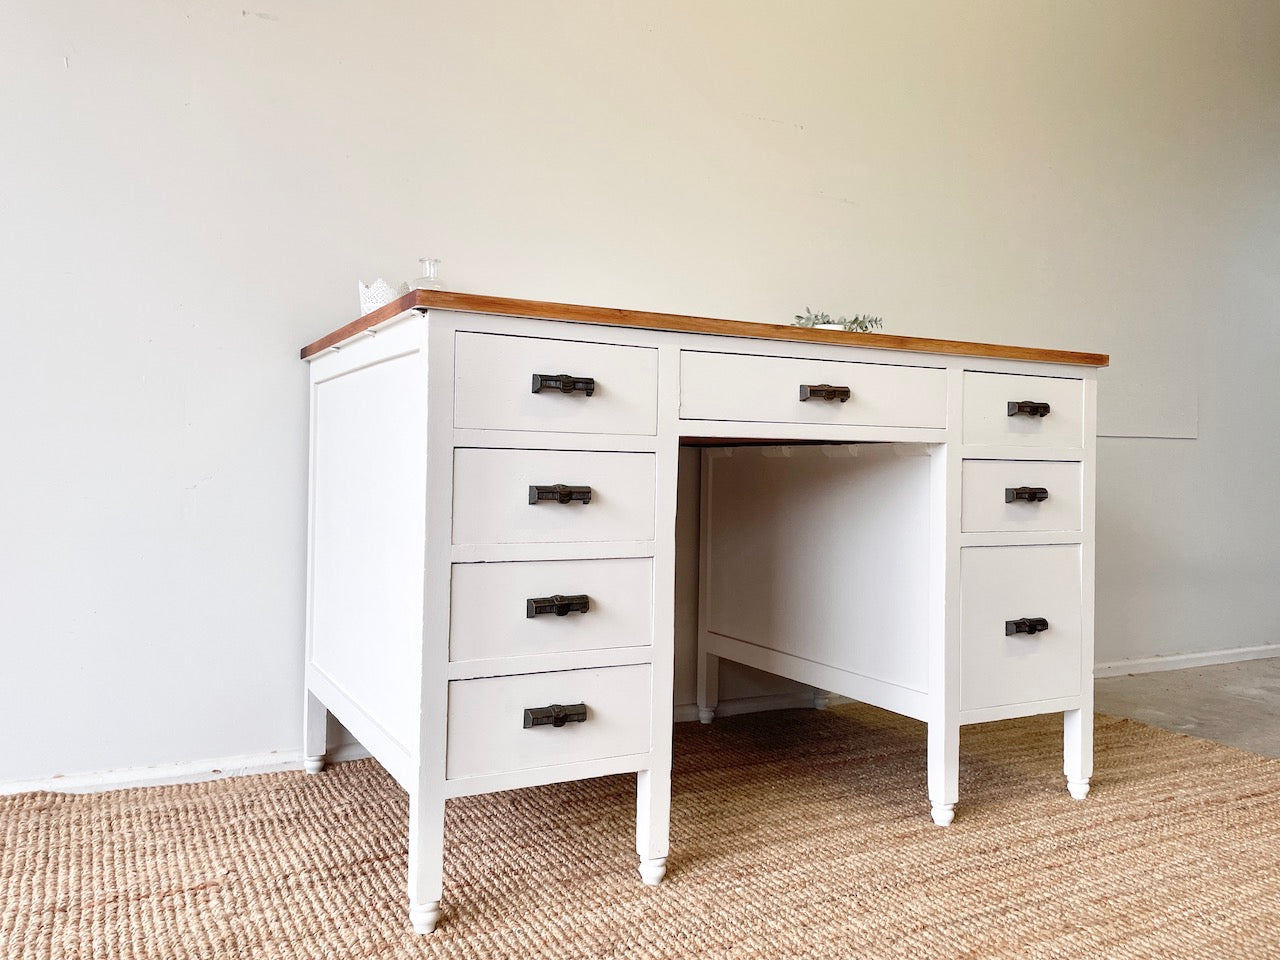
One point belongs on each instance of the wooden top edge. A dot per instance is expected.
(504, 306)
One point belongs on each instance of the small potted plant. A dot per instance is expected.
(858, 323)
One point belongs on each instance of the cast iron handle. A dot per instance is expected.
(556, 715)
(1031, 408)
(1029, 626)
(560, 493)
(1030, 494)
(564, 382)
(559, 604)
(824, 391)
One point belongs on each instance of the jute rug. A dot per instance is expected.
(795, 834)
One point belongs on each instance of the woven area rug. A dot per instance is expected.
(794, 834)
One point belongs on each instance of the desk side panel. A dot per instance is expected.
(367, 528)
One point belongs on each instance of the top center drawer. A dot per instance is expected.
(731, 386)
(584, 387)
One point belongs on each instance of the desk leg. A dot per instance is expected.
(708, 685)
(944, 770)
(1077, 753)
(315, 733)
(426, 859)
(653, 823)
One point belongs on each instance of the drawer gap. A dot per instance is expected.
(766, 442)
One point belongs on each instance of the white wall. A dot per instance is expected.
(188, 192)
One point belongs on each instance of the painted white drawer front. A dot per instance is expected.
(986, 410)
(998, 584)
(728, 386)
(486, 720)
(491, 496)
(493, 385)
(984, 487)
(489, 607)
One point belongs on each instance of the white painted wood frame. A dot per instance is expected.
(428, 443)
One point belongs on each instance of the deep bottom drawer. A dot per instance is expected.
(1002, 584)
(486, 720)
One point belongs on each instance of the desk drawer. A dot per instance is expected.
(486, 720)
(985, 486)
(489, 607)
(491, 492)
(494, 381)
(986, 410)
(1001, 584)
(728, 386)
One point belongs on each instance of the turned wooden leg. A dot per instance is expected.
(653, 823)
(315, 732)
(1077, 751)
(944, 771)
(426, 860)
(708, 686)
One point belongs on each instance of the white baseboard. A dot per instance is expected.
(1183, 661)
(196, 771)
(187, 771)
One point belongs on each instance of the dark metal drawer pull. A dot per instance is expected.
(560, 493)
(1029, 626)
(1032, 494)
(564, 382)
(556, 715)
(824, 391)
(1031, 408)
(559, 604)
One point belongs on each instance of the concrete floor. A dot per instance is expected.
(1233, 703)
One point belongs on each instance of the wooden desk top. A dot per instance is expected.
(504, 306)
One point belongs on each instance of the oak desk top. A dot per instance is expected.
(572, 313)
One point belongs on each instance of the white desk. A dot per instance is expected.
(931, 553)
